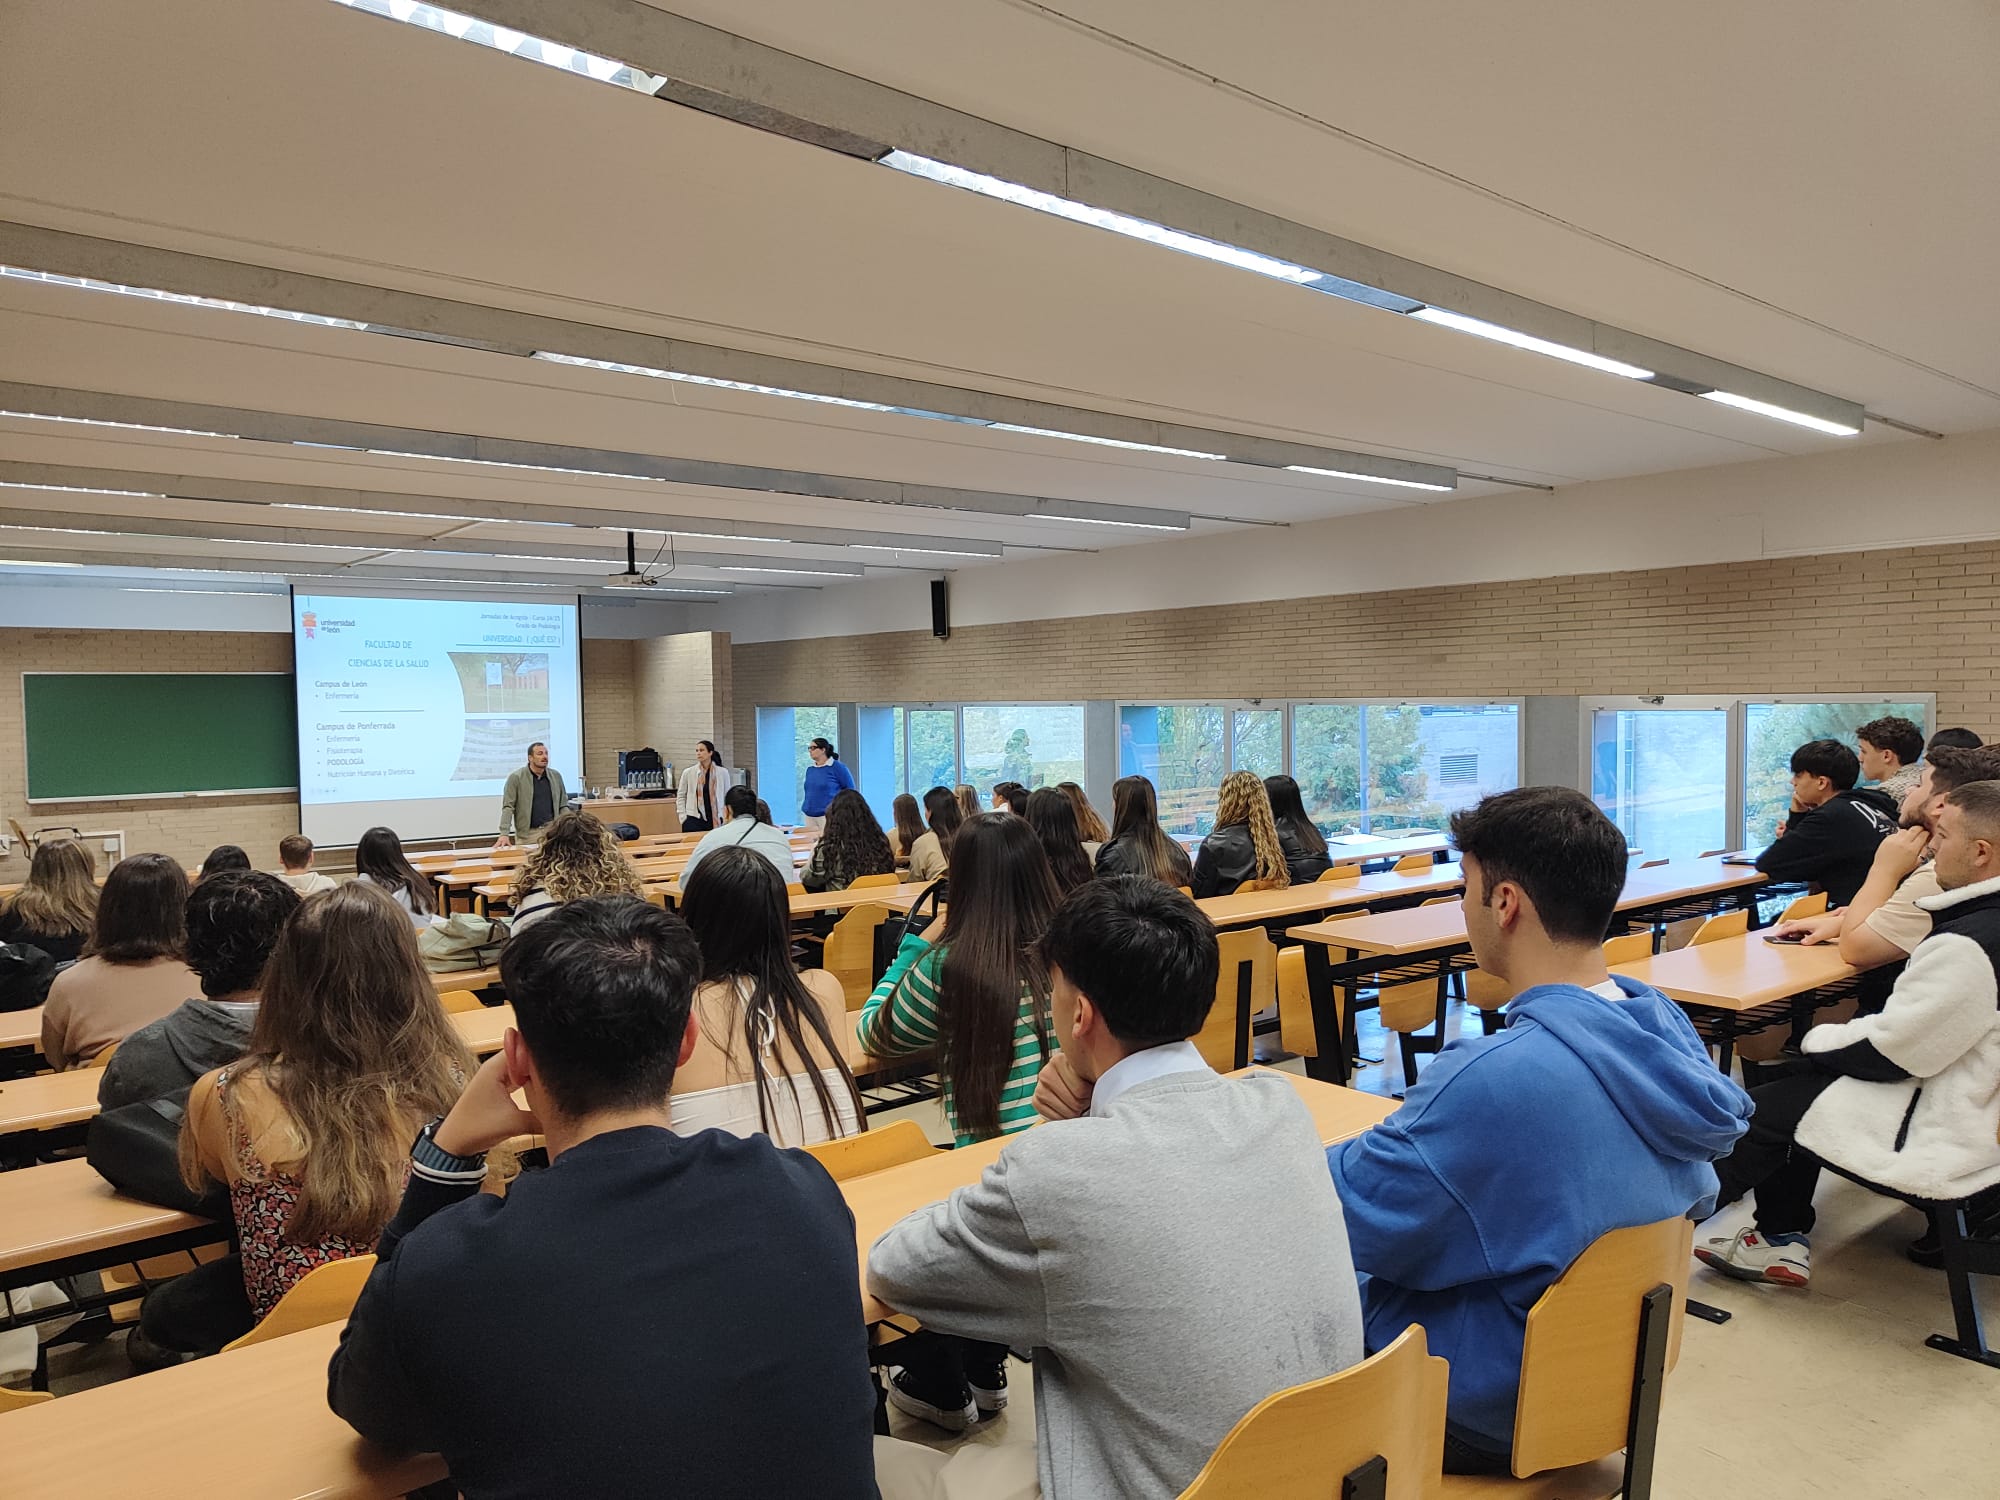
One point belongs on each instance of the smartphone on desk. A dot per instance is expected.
(1784, 937)
(1739, 859)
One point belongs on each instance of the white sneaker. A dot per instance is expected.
(951, 1417)
(1751, 1256)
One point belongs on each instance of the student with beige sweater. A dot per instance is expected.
(134, 969)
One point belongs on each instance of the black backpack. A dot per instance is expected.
(26, 973)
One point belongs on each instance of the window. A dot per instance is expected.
(1662, 775)
(1406, 748)
(782, 737)
(1773, 730)
(1180, 748)
(1326, 763)
(1259, 743)
(1036, 744)
(932, 756)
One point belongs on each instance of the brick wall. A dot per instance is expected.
(1919, 619)
(188, 828)
(680, 686)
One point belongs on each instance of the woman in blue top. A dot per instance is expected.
(826, 778)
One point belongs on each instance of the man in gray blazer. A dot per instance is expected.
(533, 796)
(1173, 1255)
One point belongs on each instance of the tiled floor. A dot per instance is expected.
(1825, 1393)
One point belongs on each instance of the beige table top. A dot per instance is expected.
(482, 1029)
(1684, 880)
(1241, 908)
(895, 897)
(157, 1435)
(48, 1099)
(63, 1208)
(1388, 846)
(1416, 929)
(1740, 973)
(879, 1200)
(21, 1028)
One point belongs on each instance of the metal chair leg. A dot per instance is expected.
(1968, 1341)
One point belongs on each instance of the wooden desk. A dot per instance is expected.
(157, 1435)
(482, 1029)
(466, 979)
(1731, 978)
(1388, 846)
(48, 1100)
(650, 815)
(815, 903)
(1685, 882)
(21, 1028)
(61, 1219)
(879, 1200)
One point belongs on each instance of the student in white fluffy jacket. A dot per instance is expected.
(1908, 1098)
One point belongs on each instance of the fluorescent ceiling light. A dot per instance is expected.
(413, 515)
(1780, 413)
(1081, 437)
(1407, 484)
(1044, 515)
(805, 572)
(494, 463)
(1101, 218)
(1479, 328)
(42, 416)
(206, 541)
(215, 593)
(79, 489)
(917, 547)
(153, 294)
(27, 562)
(515, 43)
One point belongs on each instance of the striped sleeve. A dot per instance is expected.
(901, 1017)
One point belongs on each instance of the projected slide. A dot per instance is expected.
(412, 712)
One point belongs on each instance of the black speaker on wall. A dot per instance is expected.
(940, 609)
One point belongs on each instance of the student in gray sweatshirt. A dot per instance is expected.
(1118, 1244)
(233, 921)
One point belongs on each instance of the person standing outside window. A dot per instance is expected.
(533, 796)
(703, 786)
(826, 778)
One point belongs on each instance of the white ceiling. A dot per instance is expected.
(1804, 190)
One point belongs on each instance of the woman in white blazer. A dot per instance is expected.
(706, 775)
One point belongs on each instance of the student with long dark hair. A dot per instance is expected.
(980, 996)
(223, 858)
(1138, 844)
(1053, 818)
(930, 856)
(768, 1056)
(133, 969)
(909, 827)
(851, 845)
(379, 861)
(1306, 854)
(1088, 823)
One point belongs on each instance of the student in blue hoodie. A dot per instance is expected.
(1596, 1109)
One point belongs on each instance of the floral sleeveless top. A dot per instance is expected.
(263, 1202)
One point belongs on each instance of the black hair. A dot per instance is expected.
(909, 819)
(740, 802)
(1980, 802)
(233, 922)
(379, 856)
(1558, 847)
(945, 814)
(1014, 794)
(1828, 758)
(1135, 824)
(1957, 739)
(852, 844)
(764, 812)
(823, 743)
(224, 857)
(708, 745)
(601, 990)
(142, 911)
(1897, 735)
(1952, 767)
(537, 745)
(1288, 811)
(1142, 952)
(1053, 817)
(734, 903)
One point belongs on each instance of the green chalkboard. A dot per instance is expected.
(152, 734)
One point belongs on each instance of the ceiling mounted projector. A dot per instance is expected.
(631, 578)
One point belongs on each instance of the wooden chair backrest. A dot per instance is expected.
(1238, 946)
(1577, 1358)
(13, 1400)
(1340, 872)
(870, 882)
(1486, 991)
(1259, 885)
(1711, 853)
(1412, 1007)
(1728, 924)
(325, 1294)
(1296, 1033)
(873, 1150)
(103, 1059)
(1298, 1444)
(1628, 948)
(794, 888)
(1653, 864)
(1806, 906)
(455, 1001)
(1415, 864)
(849, 954)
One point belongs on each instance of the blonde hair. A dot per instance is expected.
(577, 858)
(1244, 800)
(60, 898)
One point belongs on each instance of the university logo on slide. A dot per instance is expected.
(309, 622)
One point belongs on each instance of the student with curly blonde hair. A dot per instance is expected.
(1245, 844)
(577, 857)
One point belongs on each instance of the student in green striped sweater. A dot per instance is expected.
(979, 994)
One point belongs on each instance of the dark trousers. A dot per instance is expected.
(1768, 1161)
(1463, 1457)
(695, 825)
(938, 1363)
(200, 1310)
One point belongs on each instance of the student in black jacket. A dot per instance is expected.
(653, 1313)
(1830, 835)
